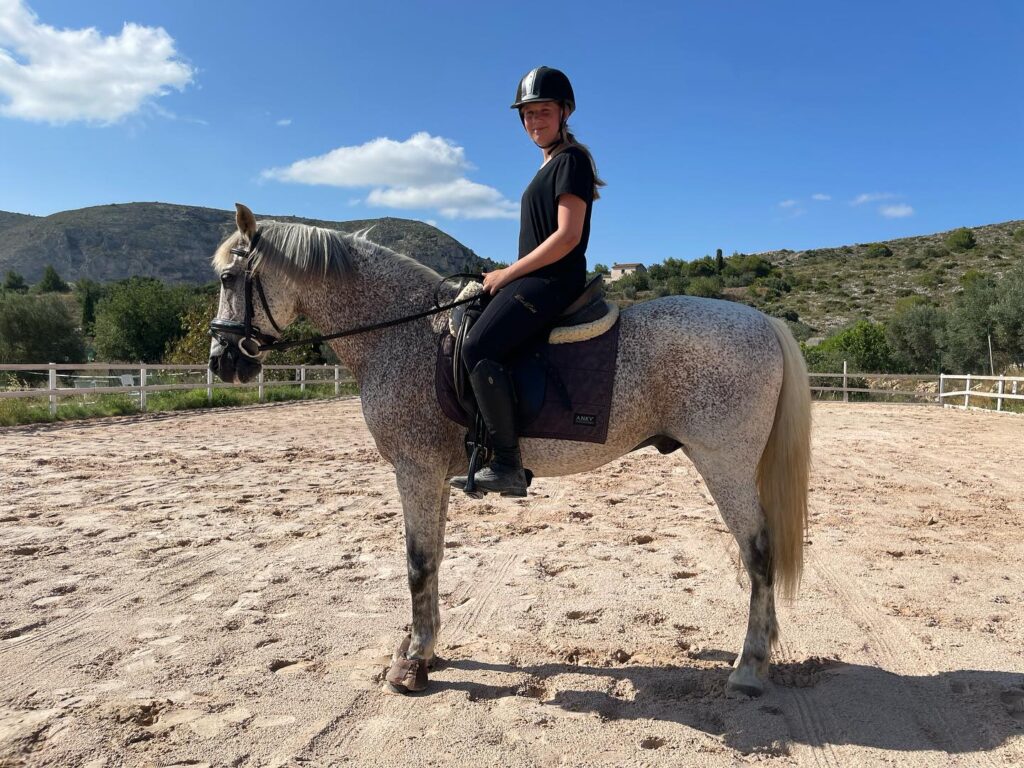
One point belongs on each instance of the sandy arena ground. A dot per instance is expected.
(225, 589)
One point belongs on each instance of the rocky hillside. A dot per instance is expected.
(832, 287)
(174, 243)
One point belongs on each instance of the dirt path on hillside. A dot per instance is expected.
(219, 589)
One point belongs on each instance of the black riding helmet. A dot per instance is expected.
(545, 84)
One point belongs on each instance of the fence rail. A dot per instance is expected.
(999, 388)
(136, 379)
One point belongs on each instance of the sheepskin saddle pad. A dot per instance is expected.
(563, 382)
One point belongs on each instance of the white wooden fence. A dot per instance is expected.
(137, 379)
(998, 388)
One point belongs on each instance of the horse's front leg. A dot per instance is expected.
(424, 494)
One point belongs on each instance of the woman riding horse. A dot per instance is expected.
(526, 297)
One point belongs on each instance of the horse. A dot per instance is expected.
(719, 380)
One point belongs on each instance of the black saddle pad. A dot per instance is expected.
(577, 393)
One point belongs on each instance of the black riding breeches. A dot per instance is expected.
(519, 312)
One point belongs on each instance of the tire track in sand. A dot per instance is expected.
(886, 641)
(810, 723)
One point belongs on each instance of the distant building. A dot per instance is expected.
(621, 270)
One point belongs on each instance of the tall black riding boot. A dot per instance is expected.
(495, 397)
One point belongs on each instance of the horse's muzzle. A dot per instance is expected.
(233, 368)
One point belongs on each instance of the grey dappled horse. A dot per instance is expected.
(718, 379)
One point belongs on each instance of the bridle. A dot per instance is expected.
(252, 341)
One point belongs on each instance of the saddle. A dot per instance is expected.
(563, 383)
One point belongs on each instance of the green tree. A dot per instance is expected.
(192, 346)
(862, 345)
(15, 283)
(915, 335)
(719, 261)
(88, 292)
(961, 239)
(969, 324)
(51, 282)
(137, 319)
(602, 269)
(38, 329)
(1007, 313)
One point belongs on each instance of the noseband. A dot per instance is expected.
(252, 341)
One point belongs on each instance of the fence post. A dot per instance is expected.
(142, 388)
(209, 385)
(259, 388)
(846, 393)
(53, 388)
(967, 392)
(942, 387)
(337, 381)
(999, 400)
(302, 378)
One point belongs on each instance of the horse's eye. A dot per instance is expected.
(226, 279)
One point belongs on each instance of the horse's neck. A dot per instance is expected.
(374, 291)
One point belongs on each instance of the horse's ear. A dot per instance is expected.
(245, 220)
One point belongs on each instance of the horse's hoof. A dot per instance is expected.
(745, 681)
(406, 675)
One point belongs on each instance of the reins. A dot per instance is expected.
(254, 342)
(438, 308)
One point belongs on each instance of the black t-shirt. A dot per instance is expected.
(570, 171)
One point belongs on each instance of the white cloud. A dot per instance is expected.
(898, 211)
(871, 197)
(787, 204)
(459, 199)
(420, 159)
(64, 75)
(284, 122)
(422, 172)
(820, 196)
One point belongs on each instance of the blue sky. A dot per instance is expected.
(744, 126)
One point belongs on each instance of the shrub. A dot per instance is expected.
(961, 239)
(878, 250)
(707, 287)
(913, 262)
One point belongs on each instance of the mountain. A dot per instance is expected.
(174, 243)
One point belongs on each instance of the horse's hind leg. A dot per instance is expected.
(733, 488)
(424, 496)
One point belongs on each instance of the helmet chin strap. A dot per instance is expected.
(563, 119)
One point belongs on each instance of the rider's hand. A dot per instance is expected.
(496, 280)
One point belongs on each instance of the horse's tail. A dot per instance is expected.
(782, 472)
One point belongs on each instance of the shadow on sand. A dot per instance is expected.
(815, 702)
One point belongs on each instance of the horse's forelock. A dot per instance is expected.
(222, 257)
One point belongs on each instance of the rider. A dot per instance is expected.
(526, 297)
